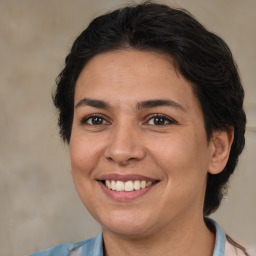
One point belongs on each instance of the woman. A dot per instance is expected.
(151, 105)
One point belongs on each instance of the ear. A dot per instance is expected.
(220, 144)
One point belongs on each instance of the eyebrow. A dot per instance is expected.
(160, 103)
(93, 103)
(140, 105)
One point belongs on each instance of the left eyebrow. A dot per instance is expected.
(159, 103)
(93, 103)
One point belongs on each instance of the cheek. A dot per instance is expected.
(84, 154)
(183, 157)
(83, 160)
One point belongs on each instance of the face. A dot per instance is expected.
(138, 147)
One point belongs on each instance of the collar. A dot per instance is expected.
(219, 248)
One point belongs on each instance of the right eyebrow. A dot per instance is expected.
(92, 103)
(160, 102)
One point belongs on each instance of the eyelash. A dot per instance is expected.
(164, 118)
(85, 120)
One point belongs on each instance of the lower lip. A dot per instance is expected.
(125, 196)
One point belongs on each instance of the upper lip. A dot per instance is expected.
(127, 177)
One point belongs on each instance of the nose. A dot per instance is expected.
(125, 145)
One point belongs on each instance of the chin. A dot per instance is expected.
(126, 230)
(126, 225)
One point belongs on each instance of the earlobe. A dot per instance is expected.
(221, 142)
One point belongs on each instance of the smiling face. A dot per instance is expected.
(138, 127)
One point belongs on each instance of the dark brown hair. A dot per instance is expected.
(199, 55)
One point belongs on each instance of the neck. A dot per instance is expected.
(191, 238)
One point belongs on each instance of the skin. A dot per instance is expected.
(168, 219)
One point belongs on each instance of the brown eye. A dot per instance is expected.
(161, 120)
(94, 120)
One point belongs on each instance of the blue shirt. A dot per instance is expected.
(94, 246)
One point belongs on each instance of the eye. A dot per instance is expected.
(94, 120)
(159, 119)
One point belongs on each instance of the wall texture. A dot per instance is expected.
(38, 203)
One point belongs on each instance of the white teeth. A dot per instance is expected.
(149, 183)
(119, 185)
(108, 184)
(128, 185)
(136, 185)
(143, 184)
(113, 185)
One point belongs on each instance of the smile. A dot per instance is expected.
(124, 188)
(128, 186)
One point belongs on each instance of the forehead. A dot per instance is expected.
(130, 75)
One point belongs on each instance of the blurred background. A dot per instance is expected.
(39, 207)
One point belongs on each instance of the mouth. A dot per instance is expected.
(128, 186)
(127, 183)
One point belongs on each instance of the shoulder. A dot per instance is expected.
(231, 250)
(74, 249)
(61, 249)
(224, 245)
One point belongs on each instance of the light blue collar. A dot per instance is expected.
(98, 246)
(219, 248)
(93, 248)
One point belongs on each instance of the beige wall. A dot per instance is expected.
(38, 204)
